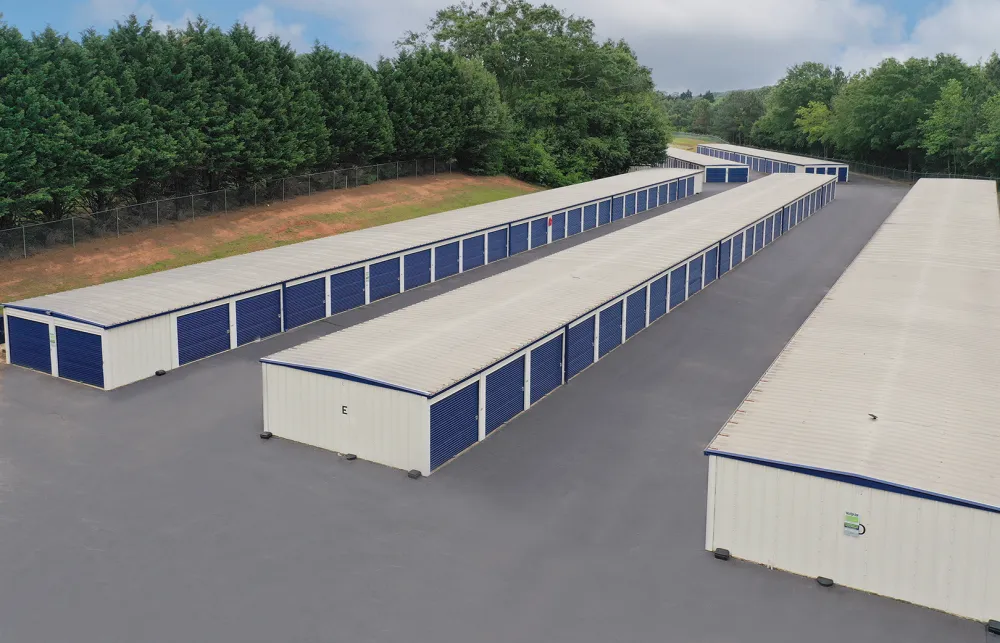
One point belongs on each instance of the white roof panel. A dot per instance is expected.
(700, 159)
(437, 343)
(910, 334)
(128, 300)
(775, 156)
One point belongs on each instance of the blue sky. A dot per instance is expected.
(697, 44)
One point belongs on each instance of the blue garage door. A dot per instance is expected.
(446, 260)
(739, 175)
(694, 275)
(347, 290)
(80, 356)
(678, 286)
(306, 302)
(663, 194)
(574, 222)
(611, 329)
(473, 252)
(454, 424)
(28, 344)
(748, 242)
(640, 201)
(617, 208)
(518, 238)
(558, 226)
(768, 230)
(657, 298)
(416, 269)
(258, 317)
(758, 235)
(768, 167)
(546, 368)
(635, 313)
(681, 189)
(604, 212)
(715, 175)
(206, 332)
(497, 245)
(383, 279)
(810, 170)
(672, 191)
(690, 188)
(725, 256)
(539, 232)
(580, 347)
(590, 216)
(629, 204)
(737, 250)
(711, 265)
(504, 394)
(651, 201)
(842, 174)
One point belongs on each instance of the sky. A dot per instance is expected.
(689, 44)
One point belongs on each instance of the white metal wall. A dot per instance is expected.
(136, 351)
(926, 552)
(375, 423)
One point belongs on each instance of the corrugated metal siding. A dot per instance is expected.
(80, 356)
(658, 298)
(610, 329)
(28, 344)
(454, 424)
(347, 289)
(136, 351)
(546, 368)
(306, 302)
(258, 317)
(203, 333)
(580, 346)
(678, 286)
(383, 280)
(635, 313)
(504, 394)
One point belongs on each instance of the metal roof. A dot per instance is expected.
(775, 156)
(435, 344)
(910, 334)
(700, 159)
(137, 298)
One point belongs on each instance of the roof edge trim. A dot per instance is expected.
(341, 375)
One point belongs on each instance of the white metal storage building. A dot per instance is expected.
(121, 332)
(868, 451)
(416, 387)
(717, 170)
(774, 162)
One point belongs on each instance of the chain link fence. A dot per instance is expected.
(22, 241)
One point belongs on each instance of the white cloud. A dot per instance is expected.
(107, 12)
(264, 22)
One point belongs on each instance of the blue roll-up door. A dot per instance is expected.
(259, 316)
(769, 166)
(678, 286)
(580, 347)
(739, 175)
(546, 368)
(383, 279)
(842, 174)
(206, 332)
(663, 198)
(574, 221)
(28, 344)
(558, 226)
(604, 212)
(504, 394)
(80, 356)
(454, 424)
(681, 189)
(810, 170)
(473, 252)
(635, 313)
(715, 175)
(748, 243)
(737, 250)
(611, 329)
(347, 291)
(640, 201)
(306, 302)
(711, 265)
(768, 230)
(695, 267)
(725, 256)
(518, 238)
(416, 269)
(590, 216)
(758, 235)
(539, 232)
(672, 191)
(629, 204)
(496, 245)
(690, 188)
(617, 208)
(657, 298)
(651, 200)
(446, 260)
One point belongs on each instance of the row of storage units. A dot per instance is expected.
(121, 332)
(770, 162)
(414, 388)
(867, 453)
(716, 170)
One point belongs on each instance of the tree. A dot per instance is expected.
(734, 115)
(950, 125)
(701, 116)
(986, 145)
(804, 83)
(991, 71)
(686, 95)
(709, 96)
(813, 120)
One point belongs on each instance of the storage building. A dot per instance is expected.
(716, 170)
(770, 162)
(121, 332)
(416, 387)
(867, 453)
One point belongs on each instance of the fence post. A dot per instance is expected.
(255, 194)
(310, 177)
(24, 241)
(118, 228)
(157, 214)
(397, 169)
(282, 189)
(72, 225)
(192, 206)
(435, 167)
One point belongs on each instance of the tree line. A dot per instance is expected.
(134, 113)
(924, 114)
